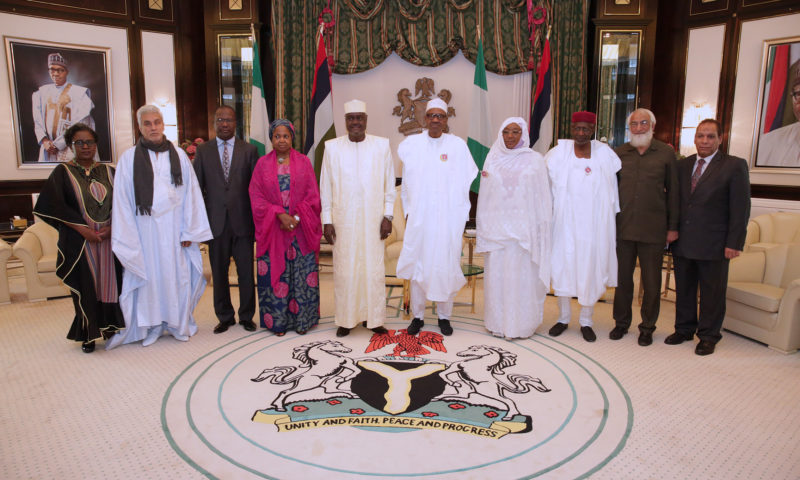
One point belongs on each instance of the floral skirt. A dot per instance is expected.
(294, 302)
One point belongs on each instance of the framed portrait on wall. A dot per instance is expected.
(776, 141)
(54, 86)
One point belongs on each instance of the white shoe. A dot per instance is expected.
(182, 338)
(152, 336)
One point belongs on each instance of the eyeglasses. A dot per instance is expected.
(226, 120)
(644, 123)
(437, 116)
(84, 143)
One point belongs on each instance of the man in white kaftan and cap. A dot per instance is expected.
(583, 179)
(357, 194)
(437, 173)
(781, 147)
(56, 107)
(159, 218)
(513, 220)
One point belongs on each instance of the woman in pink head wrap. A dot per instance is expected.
(286, 207)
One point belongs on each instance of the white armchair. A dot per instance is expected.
(38, 250)
(763, 298)
(5, 253)
(770, 229)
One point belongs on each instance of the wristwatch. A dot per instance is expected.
(389, 217)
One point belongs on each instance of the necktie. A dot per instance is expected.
(698, 171)
(226, 162)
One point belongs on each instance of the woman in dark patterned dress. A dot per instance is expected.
(76, 201)
(286, 207)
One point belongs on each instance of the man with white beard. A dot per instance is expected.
(647, 221)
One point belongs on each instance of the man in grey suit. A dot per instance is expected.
(224, 166)
(715, 208)
(647, 221)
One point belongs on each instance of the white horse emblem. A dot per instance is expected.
(321, 374)
(480, 379)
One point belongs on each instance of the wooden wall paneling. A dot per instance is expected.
(245, 13)
(670, 69)
(190, 68)
(727, 83)
(71, 9)
(636, 15)
(143, 11)
(622, 7)
(135, 67)
(701, 7)
(791, 4)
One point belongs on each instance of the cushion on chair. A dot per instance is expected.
(758, 295)
(747, 267)
(47, 263)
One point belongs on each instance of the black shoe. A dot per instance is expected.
(705, 347)
(677, 338)
(617, 333)
(342, 332)
(415, 327)
(248, 325)
(223, 326)
(588, 334)
(88, 347)
(645, 338)
(444, 327)
(380, 330)
(557, 329)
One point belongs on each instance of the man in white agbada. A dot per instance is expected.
(56, 107)
(357, 194)
(513, 220)
(159, 217)
(437, 173)
(781, 147)
(583, 179)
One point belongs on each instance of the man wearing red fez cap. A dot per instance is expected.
(584, 116)
(583, 178)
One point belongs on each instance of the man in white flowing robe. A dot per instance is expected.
(583, 179)
(56, 107)
(357, 194)
(781, 147)
(513, 220)
(437, 173)
(158, 219)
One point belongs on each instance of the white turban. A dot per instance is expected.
(355, 106)
(436, 103)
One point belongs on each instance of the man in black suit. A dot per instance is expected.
(224, 166)
(715, 207)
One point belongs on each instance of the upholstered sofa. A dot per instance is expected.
(5, 253)
(763, 297)
(37, 249)
(771, 229)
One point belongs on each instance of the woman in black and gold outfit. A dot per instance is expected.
(76, 201)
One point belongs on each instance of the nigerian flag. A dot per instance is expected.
(259, 118)
(480, 134)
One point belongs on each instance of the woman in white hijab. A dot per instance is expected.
(513, 220)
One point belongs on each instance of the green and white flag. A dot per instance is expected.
(480, 133)
(259, 118)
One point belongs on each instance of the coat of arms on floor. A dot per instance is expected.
(330, 387)
(314, 405)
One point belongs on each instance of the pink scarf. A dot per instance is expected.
(265, 198)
